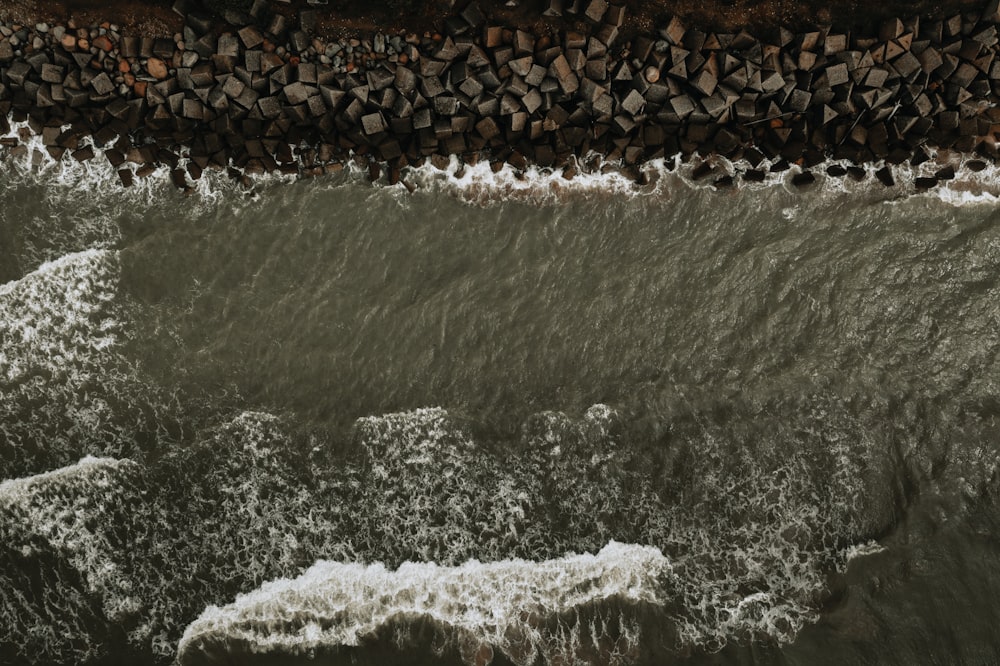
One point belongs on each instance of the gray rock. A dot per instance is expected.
(524, 43)
(837, 74)
(595, 10)
(52, 73)
(563, 73)
(445, 105)
(251, 37)
(799, 100)
(532, 101)
(332, 96)
(633, 103)
(298, 93)
(471, 87)
(380, 79)
(299, 41)
(101, 84)
(705, 82)
(422, 119)
(373, 123)
(405, 80)
(247, 99)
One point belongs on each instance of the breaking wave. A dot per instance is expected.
(508, 606)
(66, 390)
(973, 182)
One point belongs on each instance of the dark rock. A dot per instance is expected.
(945, 173)
(702, 170)
(251, 37)
(803, 179)
(595, 10)
(298, 93)
(837, 74)
(705, 82)
(373, 123)
(84, 154)
(884, 176)
(633, 103)
(925, 183)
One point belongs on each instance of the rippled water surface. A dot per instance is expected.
(791, 395)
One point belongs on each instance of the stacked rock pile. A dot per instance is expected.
(263, 92)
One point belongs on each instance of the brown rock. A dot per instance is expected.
(157, 68)
(69, 42)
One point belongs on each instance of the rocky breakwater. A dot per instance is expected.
(263, 92)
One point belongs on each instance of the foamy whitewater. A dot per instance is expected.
(480, 606)
(506, 418)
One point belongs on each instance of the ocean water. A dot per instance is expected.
(506, 418)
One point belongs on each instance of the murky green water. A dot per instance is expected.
(848, 335)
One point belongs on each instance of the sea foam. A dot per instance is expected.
(58, 529)
(481, 606)
(482, 183)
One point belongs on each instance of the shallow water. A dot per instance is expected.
(792, 380)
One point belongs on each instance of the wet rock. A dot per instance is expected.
(945, 173)
(884, 176)
(803, 179)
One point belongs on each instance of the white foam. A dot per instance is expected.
(49, 315)
(592, 178)
(65, 509)
(70, 182)
(484, 605)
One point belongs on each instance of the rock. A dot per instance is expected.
(52, 73)
(251, 37)
(945, 173)
(701, 171)
(524, 43)
(157, 68)
(373, 123)
(595, 10)
(228, 45)
(84, 154)
(297, 93)
(837, 74)
(884, 176)
(103, 43)
(102, 84)
(705, 82)
(633, 103)
(803, 179)
(487, 128)
(563, 73)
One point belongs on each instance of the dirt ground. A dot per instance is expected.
(349, 17)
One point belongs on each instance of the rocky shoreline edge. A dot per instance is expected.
(261, 91)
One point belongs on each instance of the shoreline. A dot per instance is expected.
(264, 93)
